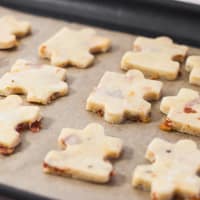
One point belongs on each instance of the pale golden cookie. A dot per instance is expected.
(41, 83)
(193, 66)
(14, 118)
(183, 112)
(85, 154)
(73, 47)
(155, 57)
(10, 30)
(163, 45)
(124, 96)
(173, 172)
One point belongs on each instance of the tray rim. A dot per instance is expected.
(18, 194)
(85, 12)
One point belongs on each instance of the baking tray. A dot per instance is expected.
(21, 173)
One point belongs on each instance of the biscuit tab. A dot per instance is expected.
(124, 96)
(71, 47)
(10, 30)
(173, 172)
(183, 112)
(85, 154)
(14, 118)
(193, 66)
(157, 57)
(41, 83)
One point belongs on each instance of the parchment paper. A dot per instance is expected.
(23, 169)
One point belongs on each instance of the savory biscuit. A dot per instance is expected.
(10, 30)
(72, 47)
(183, 112)
(41, 83)
(124, 96)
(193, 66)
(173, 172)
(14, 118)
(156, 57)
(85, 154)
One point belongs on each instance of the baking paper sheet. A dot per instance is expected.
(23, 169)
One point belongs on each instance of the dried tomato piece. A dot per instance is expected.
(166, 125)
(35, 126)
(189, 110)
(100, 112)
(21, 127)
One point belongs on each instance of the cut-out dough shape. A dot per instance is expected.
(124, 96)
(14, 118)
(10, 30)
(41, 83)
(72, 47)
(193, 66)
(157, 57)
(85, 154)
(163, 45)
(183, 112)
(173, 172)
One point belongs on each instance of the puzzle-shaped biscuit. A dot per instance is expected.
(193, 66)
(163, 45)
(124, 96)
(10, 30)
(14, 118)
(183, 112)
(173, 172)
(155, 57)
(71, 47)
(85, 153)
(41, 83)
